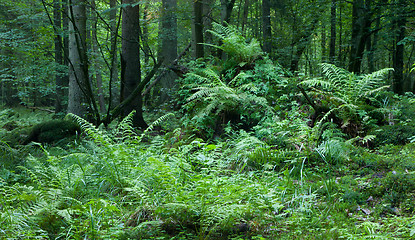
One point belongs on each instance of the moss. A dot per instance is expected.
(52, 131)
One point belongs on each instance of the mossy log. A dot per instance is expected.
(52, 131)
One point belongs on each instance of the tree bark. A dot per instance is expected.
(332, 51)
(77, 58)
(168, 46)
(113, 88)
(266, 26)
(198, 29)
(245, 15)
(59, 78)
(95, 58)
(360, 32)
(130, 60)
(208, 7)
(226, 10)
(398, 57)
(300, 43)
(323, 43)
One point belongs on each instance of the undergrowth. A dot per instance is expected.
(244, 160)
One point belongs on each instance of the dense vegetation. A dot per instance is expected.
(251, 154)
(241, 147)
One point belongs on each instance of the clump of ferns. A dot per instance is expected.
(35, 208)
(238, 49)
(124, 132)
(114, 150)
(247, 152)
(346, 93)
(214, 96)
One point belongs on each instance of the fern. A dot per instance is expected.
(234, 44)
(93, 132)
(347, 87)
(346, 91)
(216, 96)
(125, 130)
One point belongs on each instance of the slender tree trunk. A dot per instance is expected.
(168, 46)
(130, 59)
(59, 78)
(226, 10)
(360, 32)
(301, 42)
(77, 58)
(398, 57)
(266, 26)
(113, 87)
(245, 15)
(369, 50)
(323, 42)
(198, 29)
(144, 34)
(208, 6)
(95, 59)
(332, 53)
(340, 54)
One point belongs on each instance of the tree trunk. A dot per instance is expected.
(300, 43)
(77, 58)
(323, 42)
(226, 10)
(208, 6)
(398, 57)
(144, 33)
(59, 78)
(130, 60)
(95, 58)
(113, 87)
(266, 24)
(360, 32)
(245, 15)
(332, 53)
(168, 46)
(198, 29)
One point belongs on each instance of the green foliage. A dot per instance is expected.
(217, 97)
(344, 93)
(238, 90)
(397, 134)
(235, 45)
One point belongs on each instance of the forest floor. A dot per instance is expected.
(114, 184)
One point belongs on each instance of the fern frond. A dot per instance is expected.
(125, 129)
(234, 44)
(335, 75)
(93, 132)
(318, 82)
(157, 122)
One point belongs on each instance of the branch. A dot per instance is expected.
(138, 89)
(313, 105)
(166, 69)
